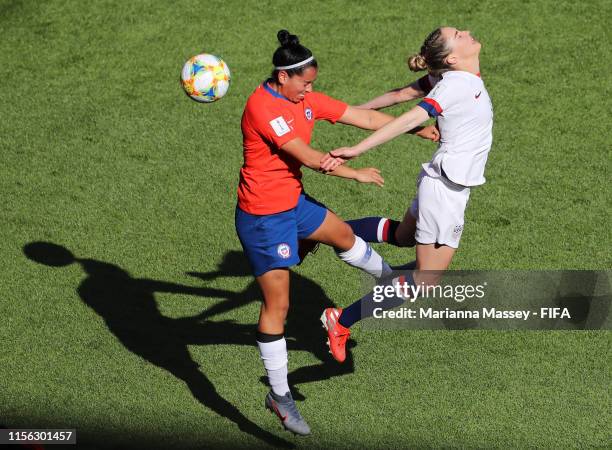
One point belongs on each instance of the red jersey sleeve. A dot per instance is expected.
(326, 108)
(274, 125)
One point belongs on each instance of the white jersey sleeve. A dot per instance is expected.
(441, 98)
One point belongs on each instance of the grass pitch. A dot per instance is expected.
(145, 338)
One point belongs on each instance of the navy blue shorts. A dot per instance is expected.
(271, 241)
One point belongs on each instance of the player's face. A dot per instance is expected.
(296, 87)
(462, 43)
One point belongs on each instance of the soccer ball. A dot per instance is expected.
(205, 78)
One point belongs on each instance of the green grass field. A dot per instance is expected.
(104, 155)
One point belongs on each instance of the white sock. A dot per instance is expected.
(274, 357)
(363, 256)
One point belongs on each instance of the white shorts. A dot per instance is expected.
(438, 208)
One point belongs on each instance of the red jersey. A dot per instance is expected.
(270, 179)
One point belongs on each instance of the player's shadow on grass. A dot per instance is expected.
(130, 312)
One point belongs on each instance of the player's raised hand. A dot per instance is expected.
(370, 175)
(430, 132)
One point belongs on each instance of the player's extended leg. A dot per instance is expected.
(404, 233)
(273, 348)
(350, 248)
(432, 260)
(382, 229)
(336, 233)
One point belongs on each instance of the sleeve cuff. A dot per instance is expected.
(341, 113)
(431, 106)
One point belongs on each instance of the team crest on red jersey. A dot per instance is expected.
(308, 113)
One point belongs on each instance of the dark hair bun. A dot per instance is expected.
(286, 39)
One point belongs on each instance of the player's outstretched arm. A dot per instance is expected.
(407, 121)
(395, 96)
(366, 119)
(374, 120)
(311, 158)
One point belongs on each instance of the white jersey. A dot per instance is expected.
(464, 112)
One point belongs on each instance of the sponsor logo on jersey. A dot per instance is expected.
(308, 113)
(478, 95)
(283, 250)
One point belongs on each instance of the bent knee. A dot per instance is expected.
(347, 232)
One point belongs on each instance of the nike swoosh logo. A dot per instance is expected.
(478, 95)
(281, 417)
